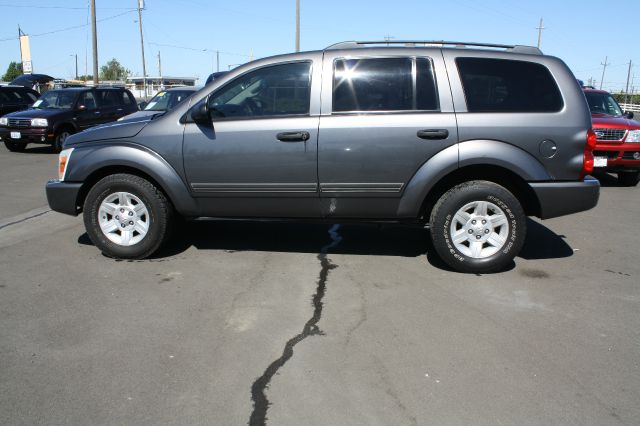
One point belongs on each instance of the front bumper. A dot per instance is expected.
(63, 196)
(28, 135)
(562, 198)
(619, 157)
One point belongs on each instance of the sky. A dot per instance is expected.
(188, 32)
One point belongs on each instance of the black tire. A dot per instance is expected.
(15, 146)
(442, 220)
(61, 135)
(628, 178)
(159, 208)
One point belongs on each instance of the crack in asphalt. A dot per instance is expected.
(24, 219)
(258, 388)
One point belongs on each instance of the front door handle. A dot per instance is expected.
(293, 136)
(433, 134)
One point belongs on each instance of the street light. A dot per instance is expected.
(76, 56)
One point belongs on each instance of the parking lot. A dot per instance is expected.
(304, 323)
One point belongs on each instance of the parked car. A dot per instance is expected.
(465, 140)
(16, 98)
(60, 113)
(618, 137)
(162, 102)
(214, 76)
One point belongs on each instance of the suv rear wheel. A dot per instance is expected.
(15, 146)
(127, 217)
(478, 226)
(628, 178)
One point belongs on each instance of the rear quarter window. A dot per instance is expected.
(502, 85)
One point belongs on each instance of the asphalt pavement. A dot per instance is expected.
(287, 323)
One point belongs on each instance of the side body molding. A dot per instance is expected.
(468, 153)
(84, 162)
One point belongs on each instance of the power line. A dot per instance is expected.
(72, 27)
(195, 49)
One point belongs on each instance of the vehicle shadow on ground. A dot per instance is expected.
(357, 239)
(608, 180)
(37, 149)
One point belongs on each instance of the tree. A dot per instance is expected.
(113, 70)
(13, 70)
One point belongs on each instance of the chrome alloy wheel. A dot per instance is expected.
(479, 229)
(123, 218)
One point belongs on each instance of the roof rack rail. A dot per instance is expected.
(440, 43)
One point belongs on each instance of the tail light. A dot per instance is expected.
(587, 161)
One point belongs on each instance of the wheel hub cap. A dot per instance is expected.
(479, 229)
(123, 218)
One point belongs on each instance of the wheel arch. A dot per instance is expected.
(99, 162)
(490, 160)
(65, 125)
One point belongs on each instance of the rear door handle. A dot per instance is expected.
(433, 134)
(293, 136)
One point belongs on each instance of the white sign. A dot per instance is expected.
(26, 67)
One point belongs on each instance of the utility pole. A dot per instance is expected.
(626, 90)
(144, 66)
(297, 25)
(76, 66)
(160, 70)
(94, 35)
(540, 28)
(604, 68)
(217, 61)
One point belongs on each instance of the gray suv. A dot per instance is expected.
(466, 138)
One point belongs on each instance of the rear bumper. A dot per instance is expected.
(562, 198)
(63, 196)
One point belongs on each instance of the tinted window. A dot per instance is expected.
(126, 99)
(28, 96)
(383, 84)
(498, 85)
(603, 103)
(88, 100)
(270, 91)
(109, 98)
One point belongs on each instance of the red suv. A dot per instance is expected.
(618, 137)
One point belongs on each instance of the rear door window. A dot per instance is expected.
(500, 85)
(384, 84)
(109, 98)
(88, 100)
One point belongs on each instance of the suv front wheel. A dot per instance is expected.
(478, 226)
(127, 217)
(60, 137)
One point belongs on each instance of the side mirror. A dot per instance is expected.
(142, 105)
(82, 107)
(629, 114)
(200, 114)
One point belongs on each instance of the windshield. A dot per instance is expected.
(56, 99)
(164, 101)
(603, 103)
